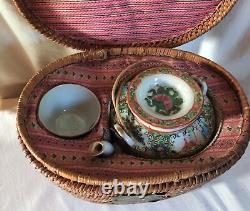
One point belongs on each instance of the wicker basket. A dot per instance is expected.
(69, 164)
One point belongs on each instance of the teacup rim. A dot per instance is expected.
(40, 122)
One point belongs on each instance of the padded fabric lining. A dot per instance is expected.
(121, 22)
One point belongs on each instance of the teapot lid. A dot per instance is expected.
(111, 23)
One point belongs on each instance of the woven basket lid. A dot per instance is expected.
(110, 23)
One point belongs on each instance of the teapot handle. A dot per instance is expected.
(124, 135)
(203, 85)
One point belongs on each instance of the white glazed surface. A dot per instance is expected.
(104, 148)
(69, 110)
(169, 80)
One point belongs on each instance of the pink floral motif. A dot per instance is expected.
(166, 100)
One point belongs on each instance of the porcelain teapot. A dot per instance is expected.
(164, 113)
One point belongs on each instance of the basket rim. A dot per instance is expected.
(81, 190)
(204, 26)
(97, 54)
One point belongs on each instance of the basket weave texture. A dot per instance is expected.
(110, 23)
(70, 160)
(93, 194)
(120, 27)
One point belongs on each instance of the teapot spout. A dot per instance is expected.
(101, 148)
(129, 141)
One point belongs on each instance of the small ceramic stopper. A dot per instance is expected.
(101, 148)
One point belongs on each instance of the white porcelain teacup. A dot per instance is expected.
(69, 110)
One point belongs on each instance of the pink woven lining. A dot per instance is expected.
(99, 77)
(120, 21)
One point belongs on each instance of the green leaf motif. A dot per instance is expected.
(165, 100)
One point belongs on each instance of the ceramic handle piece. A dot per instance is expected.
(203, 85)
(103, 148)
(124, 135)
